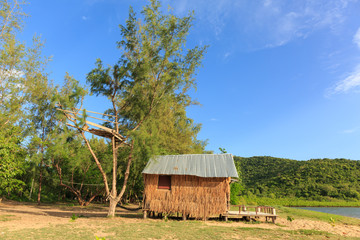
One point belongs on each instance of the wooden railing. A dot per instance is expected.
(257, 209)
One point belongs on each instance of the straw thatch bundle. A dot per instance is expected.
(191, 195)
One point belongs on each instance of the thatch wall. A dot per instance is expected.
(197, 196)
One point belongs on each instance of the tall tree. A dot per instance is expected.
(42, 122)
(20, 68)
(155, 70)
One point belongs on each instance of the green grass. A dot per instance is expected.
(297, 202)
(4, 218)
(318, 216)
(119, 228)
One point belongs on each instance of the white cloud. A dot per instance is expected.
(276, 21)
(356, 38)
(349, 83)
(214, 119)
(267, 3)
(4, 74)
(84, 18)
(349, 131)
(226, 55)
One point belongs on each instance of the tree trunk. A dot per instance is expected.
(32, 186)
(40, 183)
(127, 172)
(112, 207)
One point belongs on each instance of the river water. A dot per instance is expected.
(344, 211)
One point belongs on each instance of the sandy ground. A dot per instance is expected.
(29, 215)
(339, 229)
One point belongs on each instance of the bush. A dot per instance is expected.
(235, 191)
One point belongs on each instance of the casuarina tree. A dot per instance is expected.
(155, 69)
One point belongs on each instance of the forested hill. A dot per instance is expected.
(315, 179)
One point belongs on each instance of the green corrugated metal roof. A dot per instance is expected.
(201, 165)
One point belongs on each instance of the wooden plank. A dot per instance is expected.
(109, 130)
(101, 119)
(90, 123)
(105, 120)
(75, 127)
(96, 112)
(99, 126)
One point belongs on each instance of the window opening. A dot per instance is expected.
(164, 182)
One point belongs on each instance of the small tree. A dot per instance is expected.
(12, 159)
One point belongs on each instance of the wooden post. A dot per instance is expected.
(183, 216)
(145, 214)
(226, 218)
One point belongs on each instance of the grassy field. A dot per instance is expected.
(63, 223)
(162, 230)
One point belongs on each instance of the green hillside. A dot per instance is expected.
(315, 179)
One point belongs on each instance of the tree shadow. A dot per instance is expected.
(63, 211)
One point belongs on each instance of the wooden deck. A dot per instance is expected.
(259, 211)
(243, 213)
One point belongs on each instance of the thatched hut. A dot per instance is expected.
(195, 185)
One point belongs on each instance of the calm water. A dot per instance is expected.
(344, 211)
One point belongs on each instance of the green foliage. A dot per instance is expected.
(314, 180)
(222, 150)
(235, 192)
(290, 218)
(74, 217)
(154, 68)
(74, 166)
(24, 96)
(99, 238)
(298, 202)
(12, 159)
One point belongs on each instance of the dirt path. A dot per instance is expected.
(30, 215)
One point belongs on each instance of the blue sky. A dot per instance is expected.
(280, 78)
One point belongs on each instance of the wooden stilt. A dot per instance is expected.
(145, 214)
